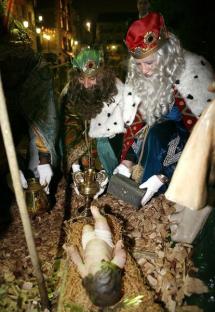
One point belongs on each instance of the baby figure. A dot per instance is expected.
(102, 264)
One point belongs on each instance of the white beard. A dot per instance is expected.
(156, 96)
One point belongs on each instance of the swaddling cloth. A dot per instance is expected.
(97, 234)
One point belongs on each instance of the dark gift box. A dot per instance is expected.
(126, 189)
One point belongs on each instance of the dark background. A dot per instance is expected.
(192, 21)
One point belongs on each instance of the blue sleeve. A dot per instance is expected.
(174, 114)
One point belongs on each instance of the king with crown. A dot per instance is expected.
(165, 91)
(92, 104)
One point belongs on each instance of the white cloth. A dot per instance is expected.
(192, 84)
(97, 234)
(152, 185)
(45, 175)
(23, 180)
(123, 170)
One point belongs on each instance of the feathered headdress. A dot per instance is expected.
(88, 61)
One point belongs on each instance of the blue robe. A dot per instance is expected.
(164, 144)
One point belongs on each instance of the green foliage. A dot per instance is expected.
(2, 7)
(17, 295)
(14, 297)
(18, 33)
(72, 307)
(126, 303)
(108, 265)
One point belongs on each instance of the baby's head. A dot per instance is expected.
(105, 287)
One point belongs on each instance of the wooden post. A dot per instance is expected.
(14, 170)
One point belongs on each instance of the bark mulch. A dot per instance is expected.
(164, 266)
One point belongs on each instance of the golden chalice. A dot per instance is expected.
(88, 184)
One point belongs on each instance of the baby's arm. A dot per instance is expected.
(74, 255)
(119, 255)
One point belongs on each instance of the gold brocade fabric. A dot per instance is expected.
(39, 142)
(77, 143)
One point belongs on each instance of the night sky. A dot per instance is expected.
(190, 20)
(94, 7)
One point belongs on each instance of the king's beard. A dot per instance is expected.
(87, 103)
(156, 95)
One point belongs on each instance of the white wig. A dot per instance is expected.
(156, 92)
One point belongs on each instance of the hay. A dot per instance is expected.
(72, 294)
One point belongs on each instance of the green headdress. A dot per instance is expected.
(88, 61)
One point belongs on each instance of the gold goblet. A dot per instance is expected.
(88, 184)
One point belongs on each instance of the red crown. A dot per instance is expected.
(146, 35)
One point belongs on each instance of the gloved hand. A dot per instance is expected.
(45, 175)
(76, 168)
(102, 188)
(123, 170)
(152, 184)
(23, 180)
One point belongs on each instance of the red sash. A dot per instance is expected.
(188, 117)
(128, 139)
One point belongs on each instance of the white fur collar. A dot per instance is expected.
(110, 121)
(194, 81)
